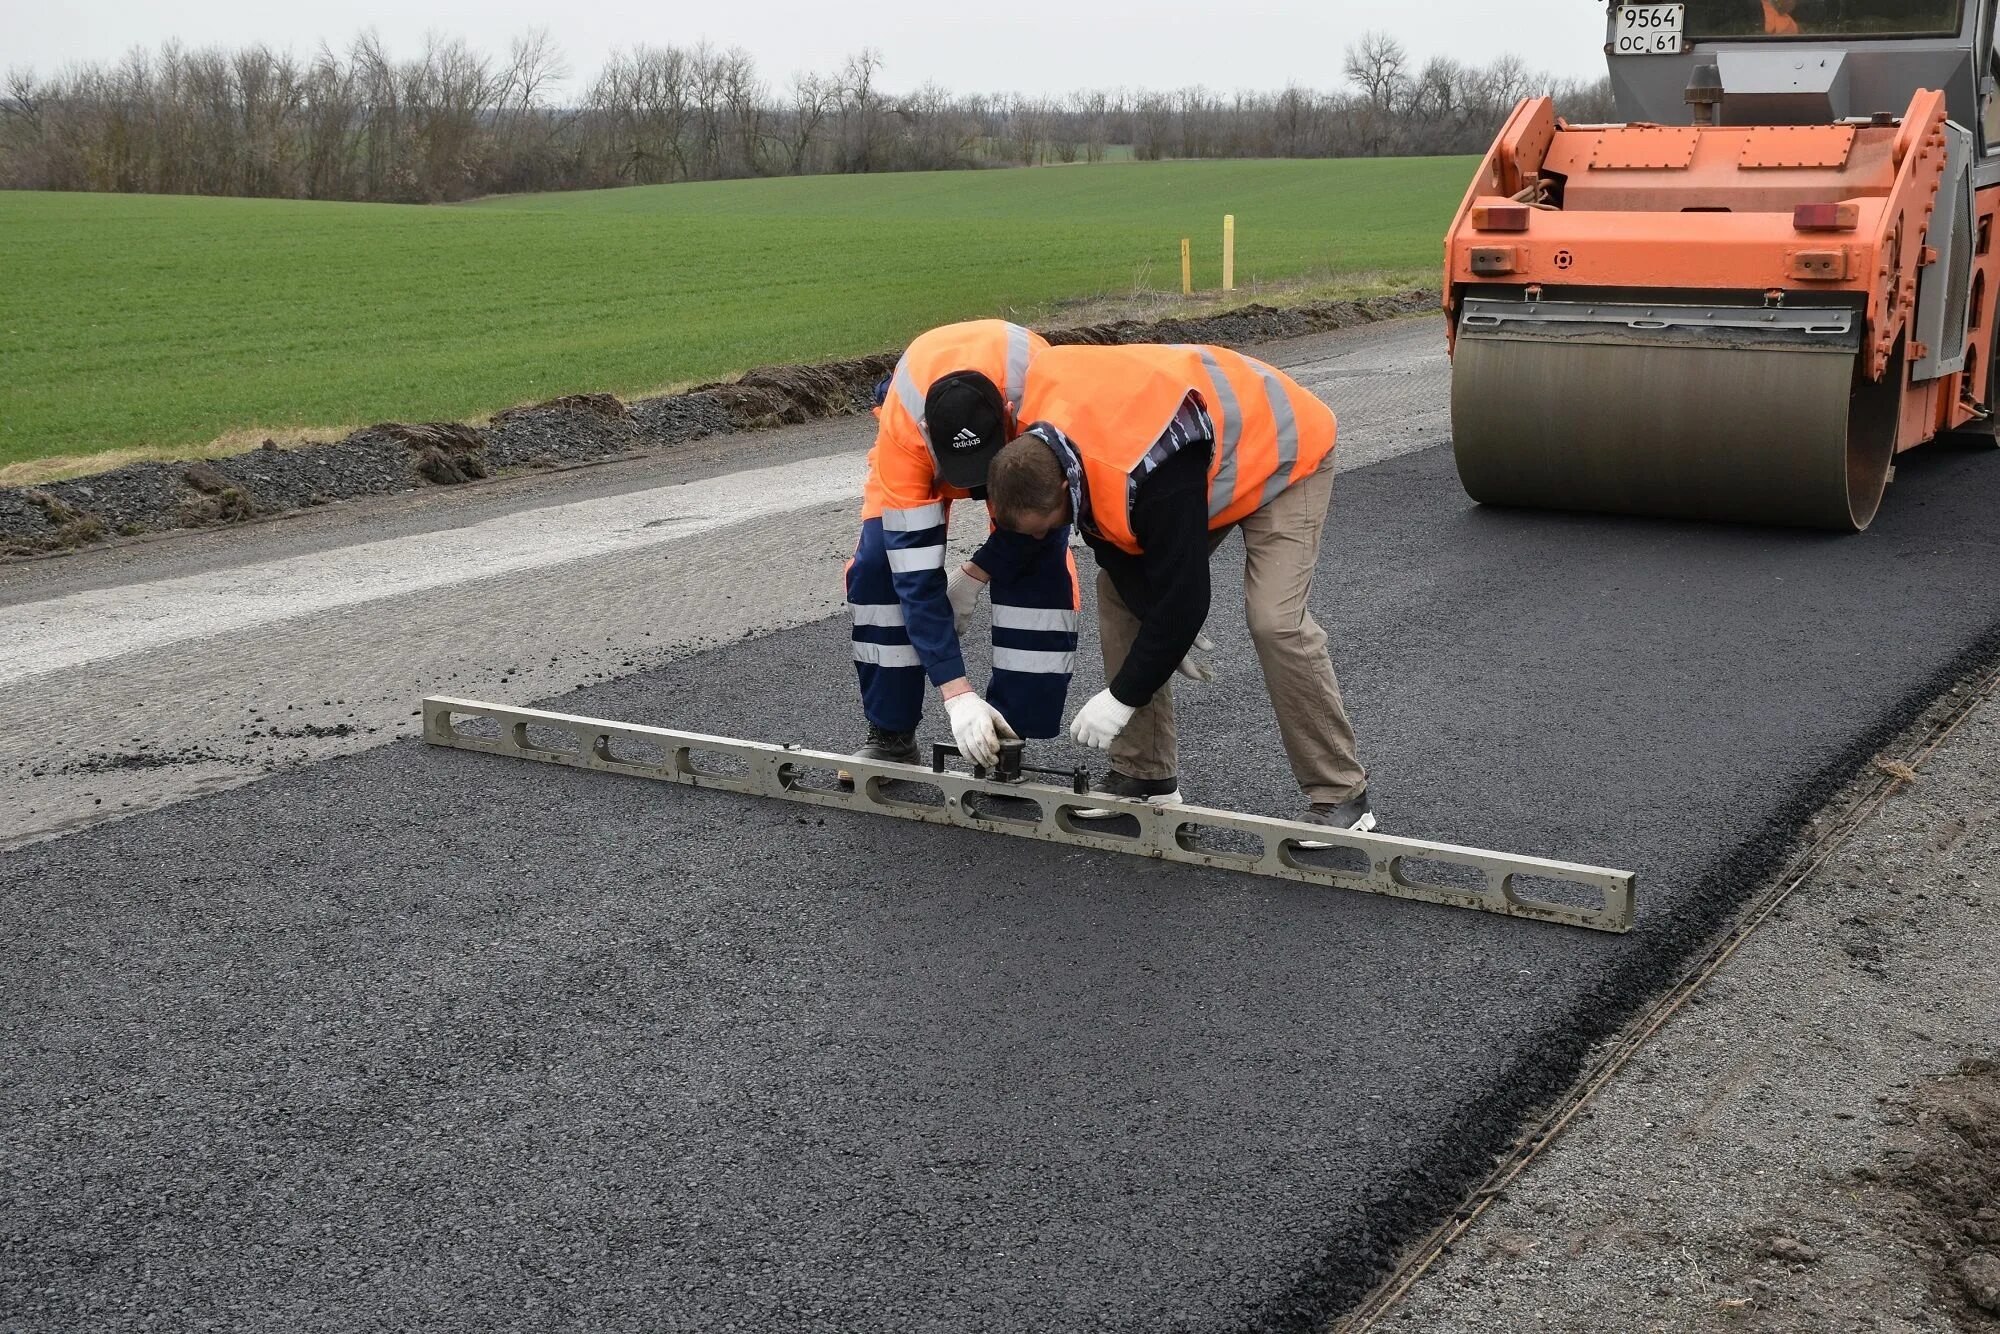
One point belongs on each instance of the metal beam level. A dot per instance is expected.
(1594, 897)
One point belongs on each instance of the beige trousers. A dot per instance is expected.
(1280, 553)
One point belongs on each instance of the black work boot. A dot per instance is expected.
(1353, 814)
(1152, 791)
(886, 747)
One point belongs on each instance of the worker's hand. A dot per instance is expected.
(977, 728)
(1099, 722)
(1195, 666)
(963, 589)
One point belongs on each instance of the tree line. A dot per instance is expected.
(453, 123)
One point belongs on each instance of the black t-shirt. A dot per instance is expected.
(1166, 586)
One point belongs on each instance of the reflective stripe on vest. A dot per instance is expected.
(1019, 346)
(1013, 376)
(904, 387)
(1288, 434)
(1222, 483)
(1113, 403)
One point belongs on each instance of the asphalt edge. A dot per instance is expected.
(1435, 1189)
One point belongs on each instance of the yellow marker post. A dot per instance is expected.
(1187, 268)
(1229, 252)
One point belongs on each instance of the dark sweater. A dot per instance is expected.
(1166, 585)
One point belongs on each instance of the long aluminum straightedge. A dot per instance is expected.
(1565, 893)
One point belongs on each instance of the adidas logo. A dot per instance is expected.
(967, 438)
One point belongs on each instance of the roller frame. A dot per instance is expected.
(1164, 833)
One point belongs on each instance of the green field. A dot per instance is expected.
(167, 321)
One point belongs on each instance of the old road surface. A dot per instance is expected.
(334, 1031)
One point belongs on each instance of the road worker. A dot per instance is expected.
(948, 408)
(1778, 20)
(1157, 454)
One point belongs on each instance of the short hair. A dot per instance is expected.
(1025, 479)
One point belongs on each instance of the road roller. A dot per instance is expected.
(1744, 300)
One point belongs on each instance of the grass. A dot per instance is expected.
(169, 326)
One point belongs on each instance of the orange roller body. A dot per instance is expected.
(1652, 318)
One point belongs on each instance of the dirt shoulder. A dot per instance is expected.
(1814, 1142)
(155, 497)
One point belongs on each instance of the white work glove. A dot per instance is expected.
(1099, 722)
(1195, 666)
(977, 728)
(963, 591)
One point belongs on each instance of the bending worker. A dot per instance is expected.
(947, 410)
(1157, 454)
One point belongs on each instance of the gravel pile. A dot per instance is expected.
(579, 428)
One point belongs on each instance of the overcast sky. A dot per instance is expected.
(1030, 46)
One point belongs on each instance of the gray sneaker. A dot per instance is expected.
(1353, 814)
(1152, 791)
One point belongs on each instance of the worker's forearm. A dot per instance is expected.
(1170, 519)
(1159, 647)
(1177, 579)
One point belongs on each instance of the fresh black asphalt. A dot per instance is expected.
(429, 1040)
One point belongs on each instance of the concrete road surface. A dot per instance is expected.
(404, 1038)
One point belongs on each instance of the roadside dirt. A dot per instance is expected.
(1947, 1200)
(579, 428)
(1814, 1142)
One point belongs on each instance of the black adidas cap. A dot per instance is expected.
(966, 420)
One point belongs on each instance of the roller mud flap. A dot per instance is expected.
(1737, 414)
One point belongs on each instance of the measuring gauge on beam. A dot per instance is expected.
(1647, 30)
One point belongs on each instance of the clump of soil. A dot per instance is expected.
(789, 395)
(53, 525)
(145, 757)
(216, 499)
(1253, 323)
(1951, 1189)
(447, 453)
(577, 428)
(314, 731)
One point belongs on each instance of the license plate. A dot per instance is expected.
(1648, 30)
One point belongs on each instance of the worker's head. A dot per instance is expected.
(1027, 488)
(967, 421)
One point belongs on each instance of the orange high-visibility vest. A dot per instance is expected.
(1778, 23)
(1114, 403)
(902, 471)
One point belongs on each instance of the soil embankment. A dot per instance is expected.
(579, 428)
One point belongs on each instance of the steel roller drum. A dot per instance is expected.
(1737, 414)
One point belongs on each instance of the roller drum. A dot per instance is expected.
(1642, 415)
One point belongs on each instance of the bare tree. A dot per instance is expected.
(1028, 118)
(861, 113)
(744, 98)
(1375, 66)
(813, 100)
